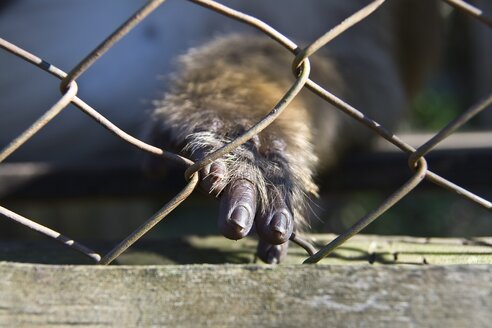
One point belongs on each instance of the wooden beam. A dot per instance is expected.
(291, 295)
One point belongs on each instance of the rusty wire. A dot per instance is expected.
(335, 32)
(50, 233)
(301, 69)
(401, 192)
(110, 41)
(470, 10)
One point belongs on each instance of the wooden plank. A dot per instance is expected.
(253, 295)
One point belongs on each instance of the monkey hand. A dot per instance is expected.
(257, 191)
(262, 184)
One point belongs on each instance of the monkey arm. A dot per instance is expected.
(222, 89)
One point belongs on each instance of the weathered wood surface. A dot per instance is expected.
(290, 295)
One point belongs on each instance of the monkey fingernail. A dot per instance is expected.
(238, 224)
(237, 209)
(241, 218)
(279, 223)
(277, 228)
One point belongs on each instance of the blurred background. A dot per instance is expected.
(61, 180)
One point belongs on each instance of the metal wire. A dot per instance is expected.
(150, 223)
(373, 215)
(470, 10)
(301, 69)
(110, 41)
(49, 233)
(335, 32)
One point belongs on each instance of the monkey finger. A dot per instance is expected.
(276, 225)
(271, 254)
(237, 209)
(213, 178)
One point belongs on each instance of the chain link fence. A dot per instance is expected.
(301, 69)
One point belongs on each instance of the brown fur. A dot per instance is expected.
(231, 94)
(225, 86)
